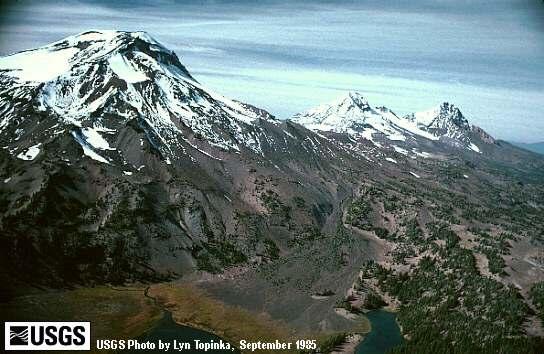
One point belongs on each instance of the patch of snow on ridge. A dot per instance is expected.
(425, 118)
(124, 70)
(400, 150)
(39, 65)
(414, 174)
(474, 148)
(412, 127)
(423, 154)
(93, 138)
(233, 108)
(30, 154)
(390, 160)
(87, 149)
(367, 134)
(102, 35)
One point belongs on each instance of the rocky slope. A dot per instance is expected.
(117, 165)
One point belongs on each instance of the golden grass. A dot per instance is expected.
(114, 314)
(125, 312)
(193, 307)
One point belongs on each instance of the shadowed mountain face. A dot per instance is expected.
(118, 166)
(133, 170)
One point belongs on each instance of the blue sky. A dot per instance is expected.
(485, 56)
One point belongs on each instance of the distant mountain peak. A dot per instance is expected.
(450, 112)
(445, 120)
(107, 36)
(352, 114)
(358, 99)
(352, 100)
(342, 114)
(445, 112)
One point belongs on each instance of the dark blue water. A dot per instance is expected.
(384, 335)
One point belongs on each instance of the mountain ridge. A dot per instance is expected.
(352, 114)
(131, 75)
(149, 176)
(146, 135)
(124, 171)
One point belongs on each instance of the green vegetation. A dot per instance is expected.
(381, 232)
(373, 301)
(391, 203)
(216, 256)
(272, 249)
(250, 225)
(537, 297)
(358, 213)
(413, 231)
(306, 233)
(275, 206)
(326, 292)
(319, 254)
(327, 344)
(494, 248)
(299, 202)
(447, 306)
(346, 305)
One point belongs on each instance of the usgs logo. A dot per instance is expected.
(47, 335)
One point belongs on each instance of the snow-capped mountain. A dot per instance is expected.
(448, 124)
(352, 114)
(444, 120)
(116, 164)
(85, 80)
(126, 162)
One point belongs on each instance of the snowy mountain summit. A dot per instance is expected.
(125, 52)
(115, 94)
(117, 165)
(96, 82)
(445, 119)
(353, 115)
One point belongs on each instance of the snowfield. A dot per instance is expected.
(30, 153)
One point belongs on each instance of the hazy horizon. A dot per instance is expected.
(485, 57)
